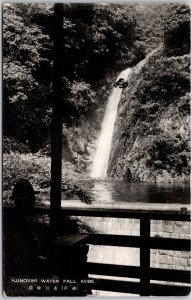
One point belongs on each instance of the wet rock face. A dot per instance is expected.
(151, 135)
(79, 140)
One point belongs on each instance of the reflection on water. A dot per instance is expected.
(121, 191)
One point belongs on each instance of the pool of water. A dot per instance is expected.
(121, 191)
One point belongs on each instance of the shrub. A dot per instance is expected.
(12, 145)
(36, 168)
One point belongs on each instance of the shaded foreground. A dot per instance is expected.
(144, 241)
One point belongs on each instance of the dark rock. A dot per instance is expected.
(128, 176)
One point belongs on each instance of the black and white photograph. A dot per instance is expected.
(96, 149)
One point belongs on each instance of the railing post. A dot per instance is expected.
(145, 256)
(56, 130)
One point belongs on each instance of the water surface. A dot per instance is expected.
(121, 191)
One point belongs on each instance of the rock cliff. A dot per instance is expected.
(151, 139)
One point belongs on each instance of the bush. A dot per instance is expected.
(37, 169)
(80, 101)
(12, 145)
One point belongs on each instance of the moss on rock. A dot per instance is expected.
(151, 137)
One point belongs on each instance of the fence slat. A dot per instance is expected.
(170, 275)
(113, 270)
(168, 290)
(114, 240)
(136, 288)
(135, 272)
(137, 241)
(126, 213)
(115, 213)
(170, 244)
(145, 256)
(116, 286)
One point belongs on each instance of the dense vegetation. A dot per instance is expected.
(93, 37)
(98, 41)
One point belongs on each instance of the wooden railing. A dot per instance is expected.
(143, 273)
(145, 243)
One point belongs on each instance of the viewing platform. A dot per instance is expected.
(163, 235)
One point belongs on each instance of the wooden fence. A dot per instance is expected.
(143, 273)
(145, 243)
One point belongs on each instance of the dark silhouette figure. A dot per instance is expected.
(24, 197)
(20, 245)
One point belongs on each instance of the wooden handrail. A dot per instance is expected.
(134, 213)
(154, 289)
(135, 272)
(139, 241)
(144, 242)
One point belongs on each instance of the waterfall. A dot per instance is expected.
(100, 162)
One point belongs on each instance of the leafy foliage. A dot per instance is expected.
(36, 168)
(94, 35)
(154, 122)
(149, 26)
(11, 145)
(26, 95)
(177, 28)
(80, 101)
(167, 80)
(165, 23)
(23, 42)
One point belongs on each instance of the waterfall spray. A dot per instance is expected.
(100, 162)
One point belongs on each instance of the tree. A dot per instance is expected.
(26, 95)
(96, 37)
(177, 28)
(22, 46)
(149, 26)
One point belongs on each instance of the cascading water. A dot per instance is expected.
(100, 162)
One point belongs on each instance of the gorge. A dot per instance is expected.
(148, 140)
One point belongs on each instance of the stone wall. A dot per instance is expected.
(180, 260)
